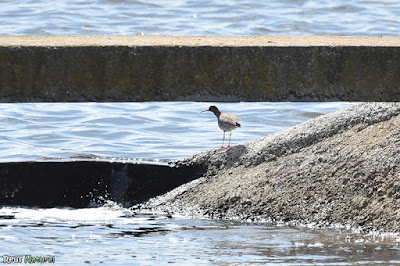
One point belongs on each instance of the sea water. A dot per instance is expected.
(190, 17)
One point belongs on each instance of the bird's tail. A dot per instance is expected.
(237, 124)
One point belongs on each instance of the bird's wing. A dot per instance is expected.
(228, 118)
(227, 122)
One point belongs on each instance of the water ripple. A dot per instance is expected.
(188, 17)
(159, 131)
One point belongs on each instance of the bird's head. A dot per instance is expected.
(213, 109)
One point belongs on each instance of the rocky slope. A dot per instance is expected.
(340, 168)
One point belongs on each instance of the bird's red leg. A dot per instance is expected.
(229, 139)
(223, 139)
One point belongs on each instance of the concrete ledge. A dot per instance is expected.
(159, 68)
(194, 41)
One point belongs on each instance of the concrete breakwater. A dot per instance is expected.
(339, 168)
(170, 68)
(80, 183)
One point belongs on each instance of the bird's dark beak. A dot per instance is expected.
(204, 111)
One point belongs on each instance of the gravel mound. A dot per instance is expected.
(339, 168)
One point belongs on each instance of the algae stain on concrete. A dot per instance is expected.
(38, 80)
(318, 70)
(202, 79)
(124, 79)
(19, 74)
(205, 77)
(83, 77)
(244, 68)
(266, 73)
(349, 70)
(125, 83)
(147, 87)
(246, 83)
(265, 78)
(27, 81)
(361, 77)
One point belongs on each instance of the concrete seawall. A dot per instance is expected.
(80, 183)
(167, 68)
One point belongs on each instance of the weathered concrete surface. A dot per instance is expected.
(340, 168)
(80, 183)
(144, 68)
(222, 41)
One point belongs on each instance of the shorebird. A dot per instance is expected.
(225, 122)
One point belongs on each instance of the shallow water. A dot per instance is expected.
(158, 132)
(188, 17)
(114, 235)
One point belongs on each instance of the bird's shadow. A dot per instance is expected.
(233, 155)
